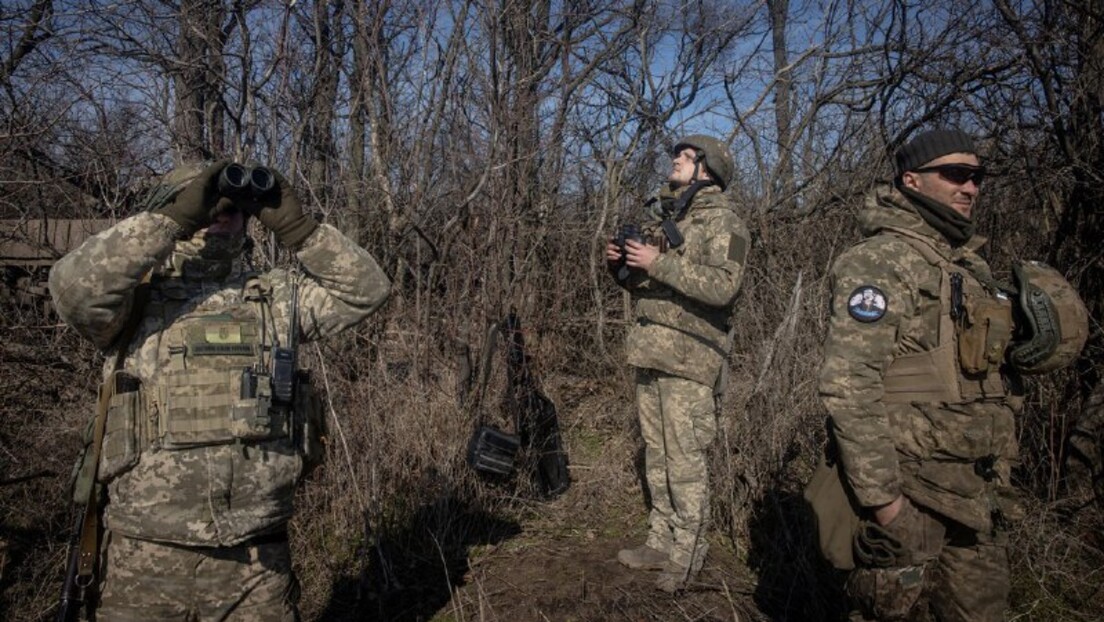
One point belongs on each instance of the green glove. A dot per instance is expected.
(195, 206)
(876, 547)
(281, 213)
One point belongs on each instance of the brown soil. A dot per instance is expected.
(560, 564)
(579, 578)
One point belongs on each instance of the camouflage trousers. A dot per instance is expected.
(678, 422)
(146, 581)
(944, 571)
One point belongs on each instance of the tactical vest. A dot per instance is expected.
(213, 383)
(975, 327)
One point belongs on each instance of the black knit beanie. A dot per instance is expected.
(931, 145)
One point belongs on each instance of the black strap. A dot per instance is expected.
(680, 207)
(682, 204)
(90, 528)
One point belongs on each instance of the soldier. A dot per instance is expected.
(205, 439)
(683, 275)
(918, 378)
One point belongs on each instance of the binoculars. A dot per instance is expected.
(240, 181)
(625, 233)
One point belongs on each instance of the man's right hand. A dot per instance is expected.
(195, 205)
(640, 255)
(885, 514)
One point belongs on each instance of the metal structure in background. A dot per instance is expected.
(28, 247)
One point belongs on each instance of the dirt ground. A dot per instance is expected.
(542, 560)
(578, 578)
(558, 561)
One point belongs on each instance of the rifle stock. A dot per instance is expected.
(84, 544)
(537, 421)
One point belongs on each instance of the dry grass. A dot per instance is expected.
(395, 527)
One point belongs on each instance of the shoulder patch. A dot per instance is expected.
(737, 248)
(867, 303)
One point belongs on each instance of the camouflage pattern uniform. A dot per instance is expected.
(913, 412)
(200, 480)
(678, 346)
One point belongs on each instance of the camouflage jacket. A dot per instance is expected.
(175, 473)
(905, 422)
(683, 304)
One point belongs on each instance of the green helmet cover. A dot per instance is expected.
(1053, 321)
(717, 157)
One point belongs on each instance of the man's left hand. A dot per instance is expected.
(282, 214)
(640, 256)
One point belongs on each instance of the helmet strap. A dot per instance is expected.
(699, 157)
(682, 203)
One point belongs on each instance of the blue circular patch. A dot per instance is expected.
(867, 304)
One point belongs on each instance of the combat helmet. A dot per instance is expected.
(716, 156)
(1054, 321)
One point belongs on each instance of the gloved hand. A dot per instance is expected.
(195, 206)
(282, 214)
(876, 547)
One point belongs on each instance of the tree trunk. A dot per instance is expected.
(785, 187)
(197, 80)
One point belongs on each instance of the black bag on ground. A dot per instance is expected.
(493, 451)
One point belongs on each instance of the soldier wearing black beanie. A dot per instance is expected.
(945, 208)
(922, 422)
(931, 145)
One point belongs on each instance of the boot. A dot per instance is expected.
(674, 578)
(642, 557)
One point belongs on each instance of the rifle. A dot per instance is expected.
(75, 589)
(491, 451)
(537, 422)
(84, 544)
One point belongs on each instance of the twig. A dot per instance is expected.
(454, 595)
(785, 327)
(362, 504)
(25, 478)
(731, 600)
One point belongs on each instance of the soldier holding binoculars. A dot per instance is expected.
(205, 425)
(683, 268)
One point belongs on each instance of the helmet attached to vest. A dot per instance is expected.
(1054, 323)
(714, 154)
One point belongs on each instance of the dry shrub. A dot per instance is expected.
(387, 526)
(394, 520)
(1057, 561)
(47, 384)
(395, 501)
(772, 425)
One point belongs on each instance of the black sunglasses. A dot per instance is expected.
(957, 173)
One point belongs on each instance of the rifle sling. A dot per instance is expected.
(90, 526)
